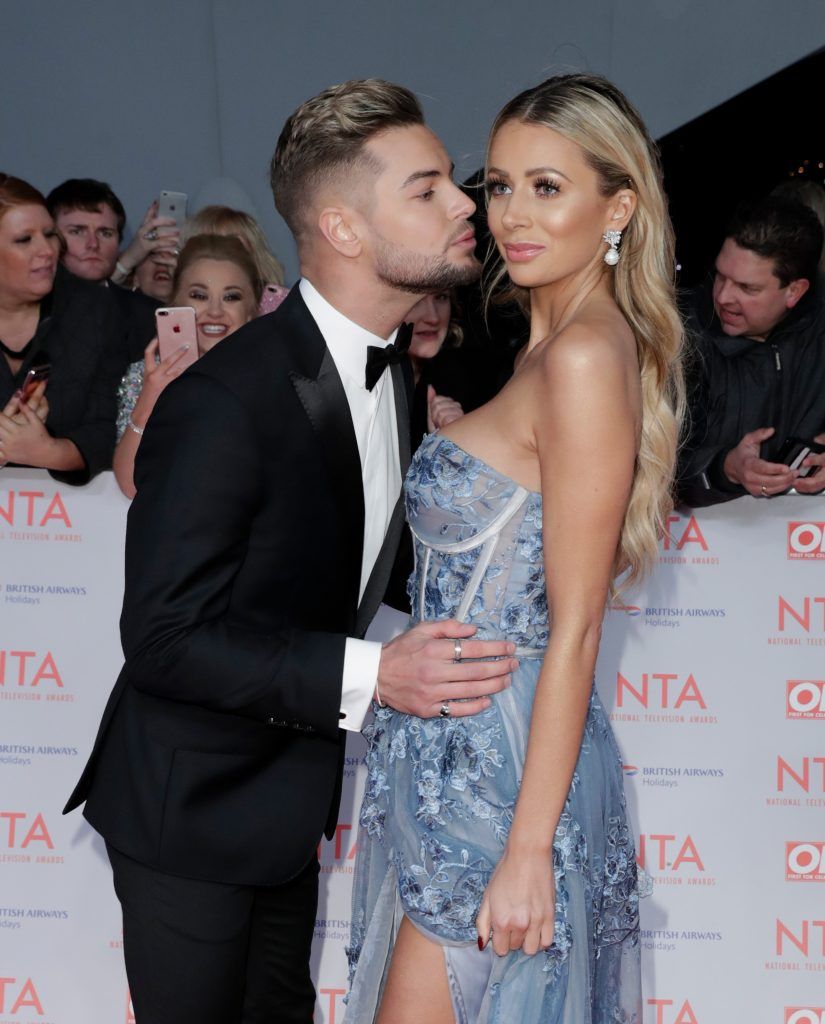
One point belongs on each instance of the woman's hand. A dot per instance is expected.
(37, 402)
(156, 375)
(23, 436)
(519, 906)
(441, 410)
(152, 236)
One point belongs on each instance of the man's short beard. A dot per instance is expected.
(412, 272)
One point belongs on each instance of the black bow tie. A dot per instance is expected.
(378, 359)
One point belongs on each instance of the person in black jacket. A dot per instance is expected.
(49, 316)
(757, 366)
(90, 220)
(258, 548)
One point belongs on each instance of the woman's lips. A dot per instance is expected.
(213, 330)
(522, 252)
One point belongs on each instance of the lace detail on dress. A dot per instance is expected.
(441, 793)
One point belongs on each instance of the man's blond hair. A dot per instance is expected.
(324, 141)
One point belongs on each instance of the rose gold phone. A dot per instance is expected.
(33, 378)
(176, 327)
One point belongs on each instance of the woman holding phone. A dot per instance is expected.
(49, 316)
(217, 278)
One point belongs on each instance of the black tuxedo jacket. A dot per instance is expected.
(219, 753)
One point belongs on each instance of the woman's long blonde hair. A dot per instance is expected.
(223, 220)
(595, 115)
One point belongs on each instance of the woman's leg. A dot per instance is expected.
(417, 989)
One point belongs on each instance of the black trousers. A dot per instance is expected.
(215, 953)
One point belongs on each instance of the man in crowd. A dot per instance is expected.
(266, 521)
(756, 366)
(90, 219)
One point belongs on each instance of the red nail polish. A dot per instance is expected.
(480, 944)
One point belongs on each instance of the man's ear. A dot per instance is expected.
(795, 291)
(339, 226)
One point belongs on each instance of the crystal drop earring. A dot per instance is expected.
(612, 237)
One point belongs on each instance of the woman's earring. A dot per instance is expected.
(611, 257)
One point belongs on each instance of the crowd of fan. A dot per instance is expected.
(80, 370)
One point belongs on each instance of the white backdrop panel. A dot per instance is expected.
(715, 680)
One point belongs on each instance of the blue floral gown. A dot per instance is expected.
(441, 792)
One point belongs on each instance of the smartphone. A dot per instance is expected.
(176, 327)
(794, 452)
(33, 378)
(172, 204)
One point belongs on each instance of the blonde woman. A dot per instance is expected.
(223, 220)
(216, 276)
(496, 877)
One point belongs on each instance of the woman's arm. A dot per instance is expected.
(24, 440)
(585, 427)
(151, 377)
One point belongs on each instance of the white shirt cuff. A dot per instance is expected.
(361, 659)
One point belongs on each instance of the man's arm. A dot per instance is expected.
(199, 484)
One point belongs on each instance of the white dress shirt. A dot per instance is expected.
(376, 432)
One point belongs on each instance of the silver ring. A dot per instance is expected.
(764, 491)
(176, 251)
(445, 710)
(151, 235)
(457, 650)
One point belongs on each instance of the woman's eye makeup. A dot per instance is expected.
(541, 186)
(495, 187)
(546, 186)
(232, 296)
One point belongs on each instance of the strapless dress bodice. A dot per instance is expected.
(478, 545)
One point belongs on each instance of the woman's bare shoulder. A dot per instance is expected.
(599, 342)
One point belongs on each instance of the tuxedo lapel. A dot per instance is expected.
(324, 400)
(402, 392)
(380, 575)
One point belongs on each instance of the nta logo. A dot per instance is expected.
(786, 772)
(664, 689)
(18, 669)
(807, 615)
(806, 540)
(30, 508)
(685, 852)
(14, 996)
(666, 1012)
(19, 833)
(805, 861)
(676, 537)
(803, 938)
(805, 698)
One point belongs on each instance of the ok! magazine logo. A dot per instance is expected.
(805, 861)
(806, 541)
(805, 698)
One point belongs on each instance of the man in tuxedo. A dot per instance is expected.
(259, 545)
